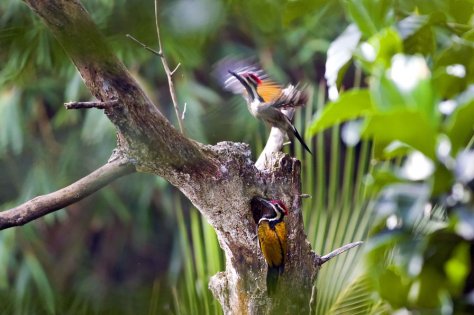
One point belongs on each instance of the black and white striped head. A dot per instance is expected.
(240, 77)
(250, 82)
(279, 210)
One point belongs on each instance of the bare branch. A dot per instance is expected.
(340, 250)
(184, 110)
(175, 69)
(42, 205)
(169, 73)
(144, 46)
(93, 104)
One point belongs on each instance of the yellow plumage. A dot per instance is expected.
(273, 243)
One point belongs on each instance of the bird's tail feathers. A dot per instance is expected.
(273, 274)
(300, 139)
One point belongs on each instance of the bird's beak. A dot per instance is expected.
(238, 77)
(243, 82)
(265, 201)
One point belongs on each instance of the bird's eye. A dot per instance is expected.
(282, 208)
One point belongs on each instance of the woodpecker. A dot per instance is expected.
(272, 237)
(265, 98)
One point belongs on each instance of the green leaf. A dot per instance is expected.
(350, 105)
(443, 180)
(428, 290)
(369, 15)
(380, 178)
(391, 281)
(42, 282)
(386, 44)
(357, 298)
(458, 266)
(406, 85)
(11, 125)
(298, 9)
(411, 24)
(96, 127)
(417, 34)
(396, 149)
(460, 125)
(385, 94)
(360, 15)
(461, 10)
(447, 84)
(410, 127)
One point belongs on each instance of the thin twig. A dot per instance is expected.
(144, 46)
(176, 68)
(93, 104)
(184, 110)
(305, 196)
(337, 252)
(169, 73)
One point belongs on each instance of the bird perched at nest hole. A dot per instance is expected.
(265, 98)
(272, 236)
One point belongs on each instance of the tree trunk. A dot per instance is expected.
(219, 180)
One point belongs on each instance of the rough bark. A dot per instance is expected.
(220, 180)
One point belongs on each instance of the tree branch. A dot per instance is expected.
(340, 250)
(93, 104)
(275, 143)
(42, 205)
(169, 73)
(142, 128)
(144, 46)
(219, 180)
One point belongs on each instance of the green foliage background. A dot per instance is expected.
(122, 249)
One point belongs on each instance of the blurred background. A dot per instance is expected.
(138, 246)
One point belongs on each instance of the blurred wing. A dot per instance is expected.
(228, 81)
(269, 90)
(291, 96)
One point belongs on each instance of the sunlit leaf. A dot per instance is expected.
(350, 105)
(406, 126)
(406, 84)
(458, 266)
(385, 45)
(396, 149)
